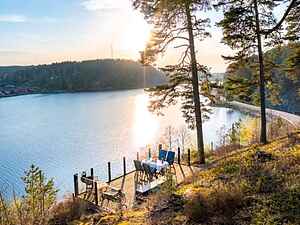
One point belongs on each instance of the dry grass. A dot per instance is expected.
(256, 185)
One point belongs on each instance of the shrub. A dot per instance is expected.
(231, 167)
(221, 202)
(67, 211)
(197, 209)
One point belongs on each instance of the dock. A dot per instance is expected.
(126, 183)
(90, 188)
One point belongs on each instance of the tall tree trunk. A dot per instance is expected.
(195, 83)
(263, 132)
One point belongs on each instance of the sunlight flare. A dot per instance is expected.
(145, 124)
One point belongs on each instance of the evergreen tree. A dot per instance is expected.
(248, 27)
(40, 195)
(176, 24)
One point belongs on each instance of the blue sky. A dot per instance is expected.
(45, 31)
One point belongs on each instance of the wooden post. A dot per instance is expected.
(76, 184)
(149, 153)
(137, 156)
(92, 173)
(109, 172)
(178, 155)
(96, 193)
(212, 146)
(124, 166)
(189, 157)
(160, 147)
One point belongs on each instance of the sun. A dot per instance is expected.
(135, 37)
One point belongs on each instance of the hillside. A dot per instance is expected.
(282, 75)
(93, 75)
(256, 185)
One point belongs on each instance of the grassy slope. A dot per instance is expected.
(258, 185)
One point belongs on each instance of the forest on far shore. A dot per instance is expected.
(92, 75)
(282, 83)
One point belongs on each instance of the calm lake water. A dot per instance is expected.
(67, 133)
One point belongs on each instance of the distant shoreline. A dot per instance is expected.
(4, 95)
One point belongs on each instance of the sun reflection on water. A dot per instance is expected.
(146, 125)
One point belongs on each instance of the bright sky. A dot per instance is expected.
(45, 31)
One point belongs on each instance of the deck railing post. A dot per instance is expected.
(124, 166)
(149, 153)
(212, 146)
(109, 172)
(92, 173)
(137, 156)
(159, 147)
(96, 193)
(189, 157)
(178, 155)
(76, 184)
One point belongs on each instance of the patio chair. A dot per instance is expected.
(162, 155)
(89, 184)
(150, 172)
(116, 195)
(170, 159)
(139, 170)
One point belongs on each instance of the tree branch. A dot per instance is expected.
(276, 27)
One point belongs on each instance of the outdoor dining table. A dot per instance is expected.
(159, 165)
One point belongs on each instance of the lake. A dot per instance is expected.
(67, 133)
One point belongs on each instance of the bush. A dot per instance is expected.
(221, 202)
(67, 211)
(231, 167)
(197, 208)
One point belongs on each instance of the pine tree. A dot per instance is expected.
(293, 35)
(248, 27)
(40, 195)
(176, 24)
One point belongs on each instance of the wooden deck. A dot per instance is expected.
(126, 183)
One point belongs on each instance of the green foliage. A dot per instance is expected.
(34, 207)
(293, 28)
(231, 168)
(169, 186)
(177, 24)
(40, 192)
(93, 75)
(282, 75)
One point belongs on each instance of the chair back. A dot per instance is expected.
(170, 157)
(87, 180)
(147, 170)
(162, 154)
(138, 165)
